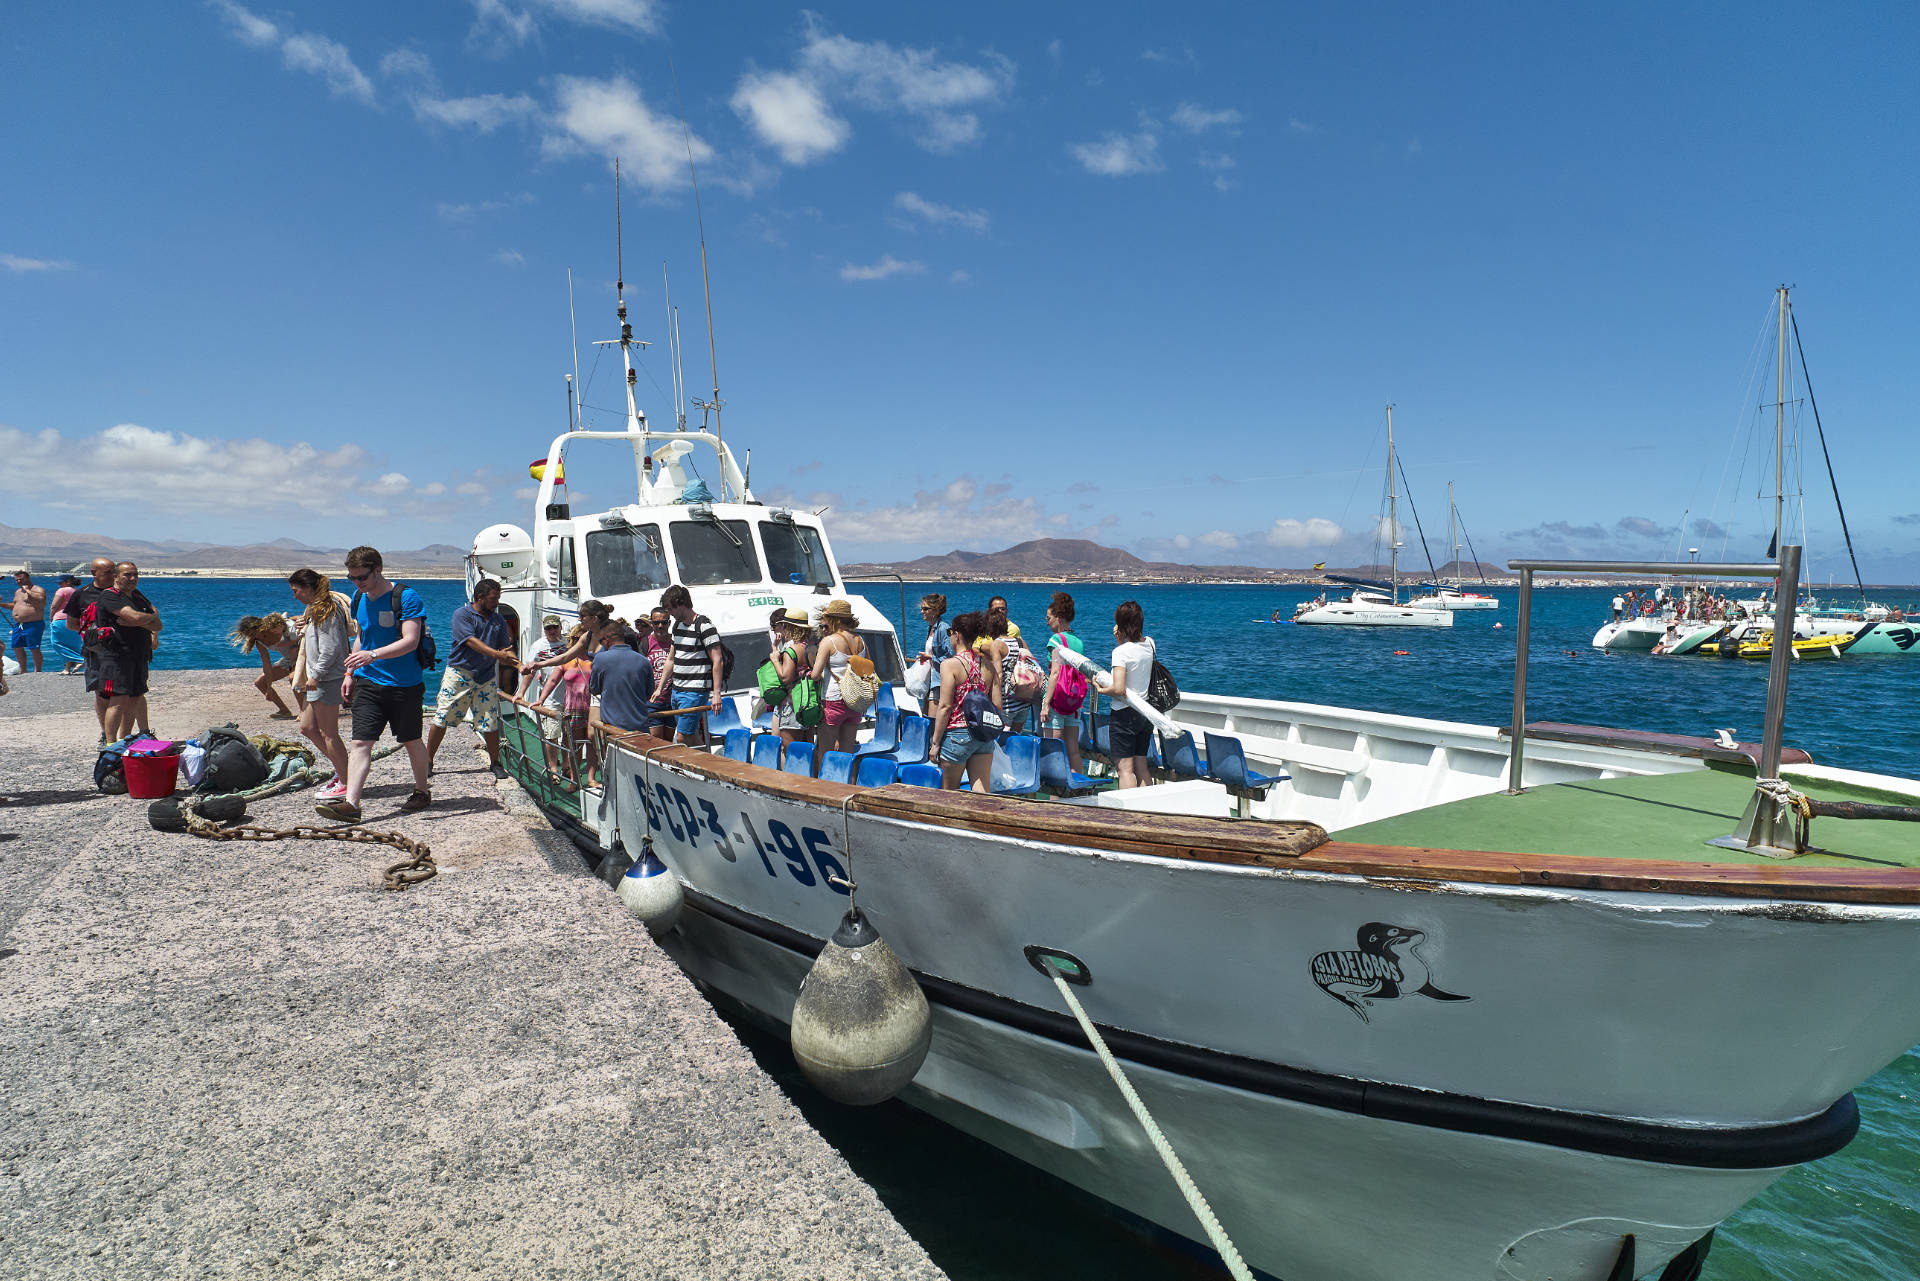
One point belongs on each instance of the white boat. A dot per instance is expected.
(1453, 595)
(1370, 604)
(1396, 1021)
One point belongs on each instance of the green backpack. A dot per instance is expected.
(805, 694)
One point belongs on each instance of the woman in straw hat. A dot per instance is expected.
(839, 645)
(793, 631)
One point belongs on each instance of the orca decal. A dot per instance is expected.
(1387, 965)
(1904, 637)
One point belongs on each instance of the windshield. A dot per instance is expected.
(885, 655)
(795, 553)
(714, 551)
(626, 559)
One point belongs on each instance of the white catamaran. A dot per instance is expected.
(1399, 1015)
(1368, 603)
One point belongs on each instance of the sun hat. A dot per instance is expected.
(551, 620)
(798, 616)
(837, 608)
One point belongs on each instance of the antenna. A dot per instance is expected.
(673, 353)
(706, 283)
(573, 323)
(636, 421)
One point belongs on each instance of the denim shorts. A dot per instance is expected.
(1063, 720)
(962, 745)
(690, 725)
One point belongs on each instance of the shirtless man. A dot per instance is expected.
(29, 606)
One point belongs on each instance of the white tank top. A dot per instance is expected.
(837, 663)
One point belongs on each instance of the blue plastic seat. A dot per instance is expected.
(799, 759)
(1056, 775)
(1096, 735)
(766, 720)
(1016, 765)
(766, 751)
(886, 734)
(836, 767)
(725, 720)
(916, 739)
(736, 746)
(883, 701)
(876, 771)
(1229, 760)
(920, 775)
(1183, 759)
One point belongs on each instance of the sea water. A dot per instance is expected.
(981, 1215)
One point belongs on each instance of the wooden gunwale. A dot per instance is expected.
(1280, 846)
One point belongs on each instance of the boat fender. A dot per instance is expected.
(164, 814)
(861, 1027)
(652, 892)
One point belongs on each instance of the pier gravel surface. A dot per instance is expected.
(225, 1058)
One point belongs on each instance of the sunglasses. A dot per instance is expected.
(359, 578)
(553, 627)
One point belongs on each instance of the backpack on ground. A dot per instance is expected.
(233, 763)
(1070, 690)
(427, 652)
(108, 773)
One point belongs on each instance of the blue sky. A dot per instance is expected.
(980, 273)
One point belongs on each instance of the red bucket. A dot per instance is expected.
(151, 777)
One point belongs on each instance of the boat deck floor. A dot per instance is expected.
(1654, 816)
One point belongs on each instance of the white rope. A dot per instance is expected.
(1202, 1211)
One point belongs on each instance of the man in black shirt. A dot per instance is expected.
(124, 625)
(77, 605)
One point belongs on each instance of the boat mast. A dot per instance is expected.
(1780, 429)
(1393, 512)
(1453, 533)
(706, 282)
(673, 350)
(636, 421)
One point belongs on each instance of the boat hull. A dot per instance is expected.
(1343, 614)
(1307, 1193)
(1874, 638)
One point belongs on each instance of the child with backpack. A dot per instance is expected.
(1066, 688)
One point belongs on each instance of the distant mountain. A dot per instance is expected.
(1069, 560)
(57, 550)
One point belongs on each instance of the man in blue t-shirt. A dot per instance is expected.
(383, 682)
(622, 682)
(482, 650)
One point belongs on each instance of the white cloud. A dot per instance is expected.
(1297, 125)
(794, 111)
(248, 26)
(510, 258)
(19, 265)
(499, 25)
(1223, 183)
(406, 64)
(483, 112)
(433, 490)
(1183, 56)
(609, 117)
(467, 212)
(1218, 160)
(790, 114)
(960, 277)
(330, 60)
(1053, 51)
(1119, 155)
(1195, 119)
(306, 51)
(1220, 539)
(887, 266)
(471, 489)
(942, 215)
(1294, 534)
(181, 474)
(1413, 147)
(962, 513)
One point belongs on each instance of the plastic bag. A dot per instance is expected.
(193, 763)
(922, 678)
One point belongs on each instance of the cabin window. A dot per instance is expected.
(795, 553)
(568, 578)
(715, 551)
(885, 655)
(627, 558)
(750, 651)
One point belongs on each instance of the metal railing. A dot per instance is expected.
(881, 578)
(1757, 831)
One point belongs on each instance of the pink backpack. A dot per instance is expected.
(1071, 689)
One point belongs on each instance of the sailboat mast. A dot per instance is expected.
(1453, 533)
(635, 421)
(1393, 511)
(1780, 428)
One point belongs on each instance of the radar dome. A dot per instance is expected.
(504, 552)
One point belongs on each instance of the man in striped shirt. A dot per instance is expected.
(695, 664)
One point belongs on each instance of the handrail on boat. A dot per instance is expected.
(876, 578)
(1758, 828)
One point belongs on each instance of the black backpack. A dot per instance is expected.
(1163, 692)
(233, 764)
(427, 652)
(726, 653)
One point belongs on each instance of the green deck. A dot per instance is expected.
(1655, 816)
(522, 752)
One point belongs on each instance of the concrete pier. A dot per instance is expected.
(223, 1059)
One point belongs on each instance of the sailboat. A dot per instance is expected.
(1370, 603)
(1453, 595)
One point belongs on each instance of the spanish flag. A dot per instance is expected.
(538, 470)
(1321, 565)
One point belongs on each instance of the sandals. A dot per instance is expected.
(340, 809)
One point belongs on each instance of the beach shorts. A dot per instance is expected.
(962, 745)
(327, 695)
(689, 725)
(122, 677)
(838, 713)
(377, 708)
(1129, 733)
(784, 718)
(461, 694)
(550, 726)
(27, 635)
(90, 668)
(1063, 720)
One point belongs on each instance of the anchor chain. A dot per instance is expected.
(420, 867)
